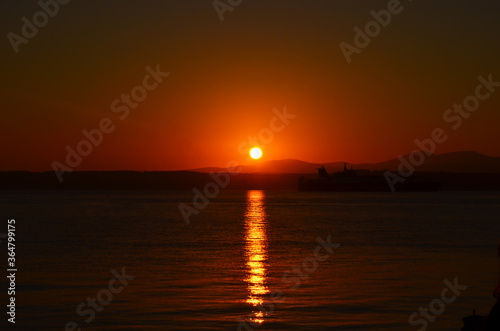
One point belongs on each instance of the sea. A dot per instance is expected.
(249, 260)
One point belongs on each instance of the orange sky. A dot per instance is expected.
(225, 78)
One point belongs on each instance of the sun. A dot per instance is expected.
(256, 153)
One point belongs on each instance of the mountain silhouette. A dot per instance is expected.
(454, 162)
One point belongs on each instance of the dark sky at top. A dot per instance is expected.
(226, 77)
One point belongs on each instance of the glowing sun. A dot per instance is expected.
(256, 153)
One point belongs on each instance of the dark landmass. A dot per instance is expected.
(187, 180)
(454, 162)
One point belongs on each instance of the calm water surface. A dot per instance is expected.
(247, 250)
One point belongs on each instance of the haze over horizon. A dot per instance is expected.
(216, 83)
(462, 161)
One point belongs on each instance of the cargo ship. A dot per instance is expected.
(349, 181)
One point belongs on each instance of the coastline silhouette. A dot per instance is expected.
(493, 319)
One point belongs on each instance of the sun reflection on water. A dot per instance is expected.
(256, 252)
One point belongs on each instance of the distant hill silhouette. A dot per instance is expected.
(456, 171)
(455, 162)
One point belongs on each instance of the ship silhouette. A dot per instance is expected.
(348, 180)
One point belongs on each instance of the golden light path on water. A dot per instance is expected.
(256, 252)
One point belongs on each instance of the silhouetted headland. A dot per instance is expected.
(187, 180)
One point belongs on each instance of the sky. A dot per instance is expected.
(233, 79)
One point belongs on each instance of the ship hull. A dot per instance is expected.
(369, 184)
